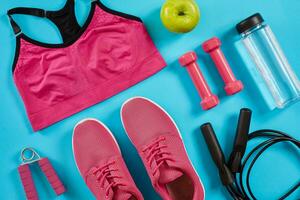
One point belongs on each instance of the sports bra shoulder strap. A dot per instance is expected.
(27, 11)
(14, 25)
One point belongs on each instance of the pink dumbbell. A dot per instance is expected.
(212, 47)
(209, 100)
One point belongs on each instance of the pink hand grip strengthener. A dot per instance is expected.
(212, 47)
(189, 61)
(51, 175)
(47, 169)
(27, 181)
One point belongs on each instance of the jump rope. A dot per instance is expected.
(235, 174)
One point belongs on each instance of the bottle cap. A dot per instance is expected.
(249, 23)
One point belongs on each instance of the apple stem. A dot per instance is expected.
(181, 13)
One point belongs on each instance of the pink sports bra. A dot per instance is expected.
(111, 52)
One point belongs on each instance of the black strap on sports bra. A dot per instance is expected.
(14, 25)
(64, 19)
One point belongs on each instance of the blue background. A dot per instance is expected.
(171, 88)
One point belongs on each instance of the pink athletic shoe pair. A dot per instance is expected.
(158, 142)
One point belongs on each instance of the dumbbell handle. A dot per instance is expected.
(198, 80)
(52, 176)
(27, 182)
(222, 65)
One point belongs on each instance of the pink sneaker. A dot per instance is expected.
(99, 160)
(158, 141)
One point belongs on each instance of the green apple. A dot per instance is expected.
(180, 16)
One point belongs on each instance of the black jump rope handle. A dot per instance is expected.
(217, 153)
(241, 139)
(225, 172)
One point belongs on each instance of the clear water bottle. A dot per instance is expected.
(270, 61)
